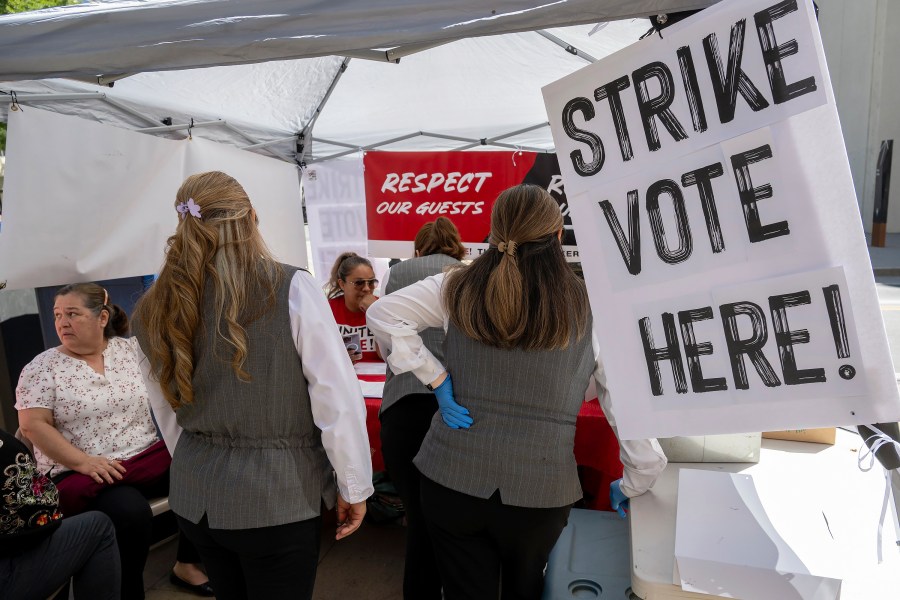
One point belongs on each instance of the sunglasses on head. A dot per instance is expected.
(359, 283)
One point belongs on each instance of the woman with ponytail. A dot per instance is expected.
(84, 407)
(242, 352)
(498, 466)
(408, 406)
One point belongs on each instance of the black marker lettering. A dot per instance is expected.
(611, 90)
(773, 53)
(580, 135)
(630, 250)
(693, 351)
(750, 195)
(657, 107)
(751, 346)
(692, 88)
(685, 242)
(731, 80)
(671, 352)
(702, 178)
(785, 338)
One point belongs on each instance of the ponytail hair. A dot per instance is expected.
(343, 266)
(440, 237)
(520, 293)
(96, 300)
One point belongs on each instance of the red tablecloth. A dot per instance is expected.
(596, 449)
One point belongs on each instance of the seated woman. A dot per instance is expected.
(408, 407)
(84, 407)
(349, 293)
(39, 549)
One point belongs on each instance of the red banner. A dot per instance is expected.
(405, 190)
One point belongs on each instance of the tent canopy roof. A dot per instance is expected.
(262, 71)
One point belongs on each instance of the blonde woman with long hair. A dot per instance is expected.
(243, 352)
(498, 465)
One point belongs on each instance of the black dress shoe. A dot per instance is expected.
(201, 589)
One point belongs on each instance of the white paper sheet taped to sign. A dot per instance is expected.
(701, 166)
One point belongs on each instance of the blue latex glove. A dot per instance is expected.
(617, 498)
(454, 415)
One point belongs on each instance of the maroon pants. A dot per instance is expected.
(145, 471)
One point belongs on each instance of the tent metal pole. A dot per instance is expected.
(334, 143)
(253, 140)
(180, 126)
(268, 143)
(53, 97)
(566, 46)
(304, 149)
(395, 54)
(493, 140)
(129, 110)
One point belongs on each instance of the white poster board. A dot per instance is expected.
(86, 202)
(336, 210)
(729, 543)
(719, 230)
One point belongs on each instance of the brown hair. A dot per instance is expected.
(440, 237)
(223, 246)
(96, 300)
(520, 293)
(343, 266)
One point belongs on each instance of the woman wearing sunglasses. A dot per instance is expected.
(350, 293)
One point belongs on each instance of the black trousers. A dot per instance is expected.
(486, 549)
(403, 427)
(263, 563)
(128, 509)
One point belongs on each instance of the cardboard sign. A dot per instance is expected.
(405, 190)
(719, 231)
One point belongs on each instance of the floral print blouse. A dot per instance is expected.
(100, 414)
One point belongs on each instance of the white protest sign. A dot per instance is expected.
(719, 231)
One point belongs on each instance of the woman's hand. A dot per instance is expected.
(366, 301)
(349, 517)
(355, 355)
(100, 469)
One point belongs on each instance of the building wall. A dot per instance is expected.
(864, 63)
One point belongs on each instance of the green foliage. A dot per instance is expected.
(2, 137)
(16, 6)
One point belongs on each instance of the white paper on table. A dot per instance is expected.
(372, 389)
(370, 368)
(728, 543)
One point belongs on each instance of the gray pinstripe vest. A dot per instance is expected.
(250, 455)
(403, 274)
(524, 405)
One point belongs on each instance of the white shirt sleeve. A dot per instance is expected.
(338, 406)
(397, 319)
(643, 460)
(164, 414)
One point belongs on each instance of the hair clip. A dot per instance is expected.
(189, 207)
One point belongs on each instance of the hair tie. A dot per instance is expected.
(508, 247)
(189, 207)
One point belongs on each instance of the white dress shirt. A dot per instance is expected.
(397, 319)
(338, 406)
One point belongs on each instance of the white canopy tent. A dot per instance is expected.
(470, 87)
